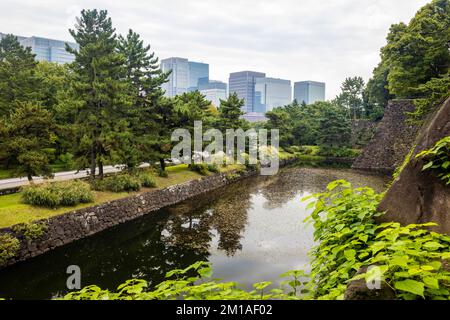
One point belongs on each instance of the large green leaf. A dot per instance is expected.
(411, 286)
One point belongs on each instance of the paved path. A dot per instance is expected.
(59, 176)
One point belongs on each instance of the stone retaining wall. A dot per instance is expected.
(393, 140)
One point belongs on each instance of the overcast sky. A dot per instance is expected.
(322, 40)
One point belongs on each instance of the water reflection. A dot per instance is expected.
(250, 231)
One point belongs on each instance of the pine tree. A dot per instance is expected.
(101, 86)
(18, 81)
(145, 78)
(27, 137)
(230, 113)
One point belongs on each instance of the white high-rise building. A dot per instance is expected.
(179, 77)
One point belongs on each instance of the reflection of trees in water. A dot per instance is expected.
(285, 186)
(224, 210)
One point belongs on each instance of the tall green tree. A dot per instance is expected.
(351, 98)
(18, 80)
(100, 83)
(334, 127)
(230, 113)
(27, 138)
(145, 78)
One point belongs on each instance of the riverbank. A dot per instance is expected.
(65, 227)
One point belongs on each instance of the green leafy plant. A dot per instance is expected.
(213, 168)
(410, 258)
(147, 180)
(438, 159)
(9, 246)
(201, 168)
(31, 231)
(191, 283)
(118, 183)
(55, 194)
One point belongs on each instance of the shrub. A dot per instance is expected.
(147, 180)
(201, 168)
(339, 152)
(213, 168)
(163, 173)
(119, 183)
(9, 246)
(67, 193)
(31, 231)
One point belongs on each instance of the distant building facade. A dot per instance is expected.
(198, 74)
(48, 49)
(214, 95)
(271, 93)
(243, 84)
(212, 84)
(309, 91)
(178, 81)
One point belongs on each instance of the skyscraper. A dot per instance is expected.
(309, 91)
(179, 77)
(243, 84)
(271, 93)
(198, 73)
(214, 95)
(48, 49)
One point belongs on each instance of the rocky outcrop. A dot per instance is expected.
(418, 196)
(393, 140)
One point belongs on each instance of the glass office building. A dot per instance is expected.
(198, 74)
(243, 84)
(48, 49)
(271, 93)
(309, 91)
(178, 82)
(214, 95)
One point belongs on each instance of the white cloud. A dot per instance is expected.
(297, 40)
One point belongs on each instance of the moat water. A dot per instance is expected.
(250, 231)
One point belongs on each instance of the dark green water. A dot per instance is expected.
(251, 231)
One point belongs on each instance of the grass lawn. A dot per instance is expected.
(6, 174)
(13, 211)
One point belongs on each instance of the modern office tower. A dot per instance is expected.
(214, 95)
(198, 73)
(243, 84)
(271, 93)
(212, 84)
(309, 91)
(179, 77)
(48, 49)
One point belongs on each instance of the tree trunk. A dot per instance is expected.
(93, 160)
(100, 169)
(30, 177)
(162, 164)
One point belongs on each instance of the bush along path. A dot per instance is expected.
(409, 262)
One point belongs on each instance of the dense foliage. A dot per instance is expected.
(410, 259)
(438, 158)
(56, 194)
(191, 283)
(9, 246)
(415, 62)
(31, 231)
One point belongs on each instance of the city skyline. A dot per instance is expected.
(331, 41)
